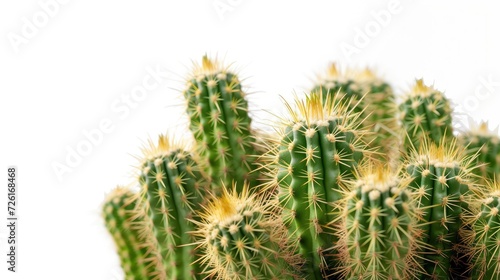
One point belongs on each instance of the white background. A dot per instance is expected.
(73, 70)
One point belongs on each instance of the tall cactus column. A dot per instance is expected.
(319, 147)
(173, 187)
(425, 114)
(219, 120)
(130, 228)
(442, 189)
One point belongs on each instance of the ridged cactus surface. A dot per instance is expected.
(362, 92)
(173, 188)
(319, 147)
(378, 232)
(242, 238)
(485, 256)
(130, 228)
(442, 188)
(221, 125)
(485, 145)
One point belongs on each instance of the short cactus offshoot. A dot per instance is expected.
(172, 186)
(378, 230)
(242, 238)
(130, 228)
(219, 119)
(319, 147)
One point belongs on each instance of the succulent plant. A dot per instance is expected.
(319, 146)
(485, 255)
(378, 233)
(443, 188)
(364, 93)
(425, 114)
(334, 194)
(241, 237)
(484, 144)
(221, 125)
(173, 188)
(130, 228)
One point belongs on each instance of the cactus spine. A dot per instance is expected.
(442, 189)
(127, 223)
(368, 95)
(219, 120)
(319, 147)
(486, 145)
(244, 239)
(172, 185)
(425, 114)
(378, 232)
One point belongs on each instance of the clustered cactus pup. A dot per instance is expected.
(319, 146)
(221, 125)
(242, 238)
(173, 189)
(425, 114)
(130, 228)
(378, 233)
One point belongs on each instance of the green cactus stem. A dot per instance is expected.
(485, 256)
(130, 228)
(363, 92)
(425, 114)
(242, 238)
(221, 125)
(319, 146)
(442, 188)
(378, 236)
(485, 145)
(172, 186)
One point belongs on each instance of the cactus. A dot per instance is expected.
(127, 223)
(368, 95)
(442, 188)
(173, 187)
(486, 145)
(425, 114)
(319, 147)
(242, 238)
(485, 255)
(378, 236)
(219, 120)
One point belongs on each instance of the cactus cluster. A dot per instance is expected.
(351, 186)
